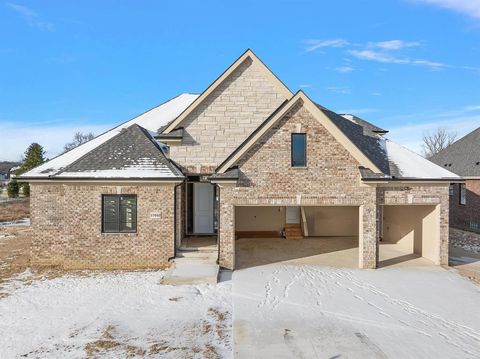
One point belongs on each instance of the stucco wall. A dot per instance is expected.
(254, 218)
(67, 228)
(332, 221)
(226, 118)
(413, 228)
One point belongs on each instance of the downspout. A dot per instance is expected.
(218, 224)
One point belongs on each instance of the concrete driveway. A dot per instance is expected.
(302, 311)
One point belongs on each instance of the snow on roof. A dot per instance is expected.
(151, 120)
(412, 165)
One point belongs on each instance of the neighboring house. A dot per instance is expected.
(463, 158)
(245, 157)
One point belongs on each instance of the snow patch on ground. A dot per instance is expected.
(284, 311)
(112, 315)
(20, 222)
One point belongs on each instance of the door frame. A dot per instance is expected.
(189, 212)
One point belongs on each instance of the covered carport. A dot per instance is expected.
(410, 233)
(328, 236)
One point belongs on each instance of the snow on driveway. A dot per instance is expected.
(283, 311)
(114, 315)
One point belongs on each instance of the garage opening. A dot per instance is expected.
(320, 235)
(410, 233)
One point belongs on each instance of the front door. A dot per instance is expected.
(203, 208)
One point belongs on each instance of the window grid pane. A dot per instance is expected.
(119, 213)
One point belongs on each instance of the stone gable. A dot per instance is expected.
(226, 118)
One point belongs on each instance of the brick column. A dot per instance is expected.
(443, 209)
(369, 231)
(226, 230)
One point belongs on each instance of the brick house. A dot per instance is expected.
(245, 158)
(463, 158)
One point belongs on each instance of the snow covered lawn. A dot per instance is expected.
(114, 315)
(283, 311)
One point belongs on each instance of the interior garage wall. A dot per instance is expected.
(260, 218)
(415, 229)
(332, 221)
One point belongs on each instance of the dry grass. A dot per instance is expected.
(14, 251)
(15, 210)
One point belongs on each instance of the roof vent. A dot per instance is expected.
(478, 163)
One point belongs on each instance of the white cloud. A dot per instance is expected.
(343, 90)
(394, 44)
(315, 44)
(472, 108)
(31, 17)
(357, 111)
(305, 86)
(344, 69)
(52, 136)
(385, 57)
(469, 8)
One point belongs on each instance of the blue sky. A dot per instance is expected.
(407, 65)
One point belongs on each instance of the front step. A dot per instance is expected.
(193, 267)
(293, 232)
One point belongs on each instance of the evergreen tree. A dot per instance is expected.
(13, 188)
(34, 156)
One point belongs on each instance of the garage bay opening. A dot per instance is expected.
(317, 235)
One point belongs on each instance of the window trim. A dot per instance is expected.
(304, 150)
(120, 231)
(462, 185)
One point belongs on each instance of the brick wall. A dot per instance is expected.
(226, 118)
(466, 216)
(67, 228)
(331, 178)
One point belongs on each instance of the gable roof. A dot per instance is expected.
(319, 114)
(131, 153)
(461, 157)
(379, 158)
(245, 56)
(150, 120)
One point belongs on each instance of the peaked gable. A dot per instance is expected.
(247, 55)
(215, 124)
(132, 153)
(320, 116)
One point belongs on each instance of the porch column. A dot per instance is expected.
(443, 209)
(226, 230)
(369, 232)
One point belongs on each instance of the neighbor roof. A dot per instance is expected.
(151, 120)
(132, 153)
(462, 156)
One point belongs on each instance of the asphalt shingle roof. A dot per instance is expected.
(461, 157)
(131, 153)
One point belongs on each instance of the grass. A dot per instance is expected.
(15, 210)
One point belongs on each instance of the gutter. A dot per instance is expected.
(414, 179)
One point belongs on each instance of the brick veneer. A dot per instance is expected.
(466, 216)
(67, 228)
(225, 118)
(331, 178)
(267, 178)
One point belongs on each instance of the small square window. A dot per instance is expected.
(119, 213)
(299, 149)
(463, 194)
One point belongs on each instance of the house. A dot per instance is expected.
(245, 158)
(463, 158)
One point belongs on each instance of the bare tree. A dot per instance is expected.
(437, 140)
(78, 139)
